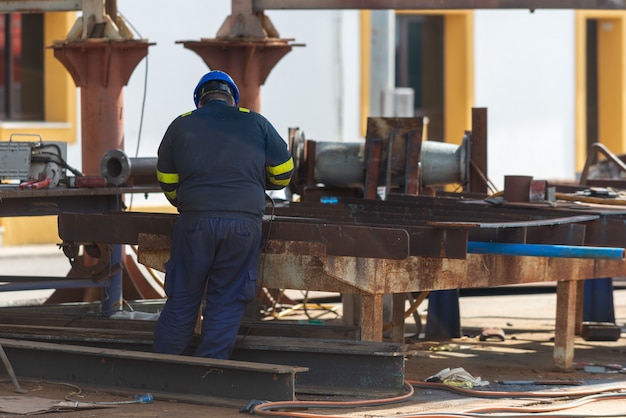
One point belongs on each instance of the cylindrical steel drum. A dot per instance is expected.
(342, 164)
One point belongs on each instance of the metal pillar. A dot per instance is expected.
(247, 47)
(101, 70)
(101, 55)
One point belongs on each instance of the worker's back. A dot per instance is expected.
(220, 153)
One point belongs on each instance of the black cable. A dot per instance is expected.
(61, 160)
(143, 103)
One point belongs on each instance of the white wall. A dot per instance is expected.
(524, 75)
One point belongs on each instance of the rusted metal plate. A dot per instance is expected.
(113, 227)
(341, 240)
(346, 240)
(376, 276)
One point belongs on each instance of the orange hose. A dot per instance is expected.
(259, 409)
(411, 384)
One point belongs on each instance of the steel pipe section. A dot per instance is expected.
(342, 164)
(118, 169)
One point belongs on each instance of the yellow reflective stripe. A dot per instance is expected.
(170, 195)
(167, 178)
(244, 110)
(283, 168)
(186, 114)
(279, 182)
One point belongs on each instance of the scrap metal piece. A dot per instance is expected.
(600, 331)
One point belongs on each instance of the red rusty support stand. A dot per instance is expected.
(101, 68)
(248, 62)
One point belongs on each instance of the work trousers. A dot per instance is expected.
(216, 259)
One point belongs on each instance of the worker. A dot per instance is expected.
(214, 165)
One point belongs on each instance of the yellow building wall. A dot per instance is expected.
(459, 74)
(611, 81)
(459, 70)
(60, 109)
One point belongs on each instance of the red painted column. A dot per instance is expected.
(247, 62)
(101, 69)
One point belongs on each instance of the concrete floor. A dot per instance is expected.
(526, 354)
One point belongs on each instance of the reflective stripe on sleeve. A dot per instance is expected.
(283, 168)
(167, 178)
(279, 182)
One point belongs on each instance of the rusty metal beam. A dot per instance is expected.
(86, 315)
(39, 6)
(259, 5)
(185, 378)
(113, 227)
(334, 366)
(41, 202)
(339, 240)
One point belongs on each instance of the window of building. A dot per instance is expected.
(21, 66)
(420, 65)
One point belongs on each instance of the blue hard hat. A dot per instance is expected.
(215, 75)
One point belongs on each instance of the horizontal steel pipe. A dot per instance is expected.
(67, 283)
(544, 250)
(118, 169)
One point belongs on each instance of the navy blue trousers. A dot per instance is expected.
(215, 259)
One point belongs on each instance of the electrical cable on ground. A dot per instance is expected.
(266, 409)
(506, 394)
(587, 396)
(574, 404)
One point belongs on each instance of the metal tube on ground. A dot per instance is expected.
(544, 250)
(67, 283)
(9, 367)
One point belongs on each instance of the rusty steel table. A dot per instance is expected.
(404, 244)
